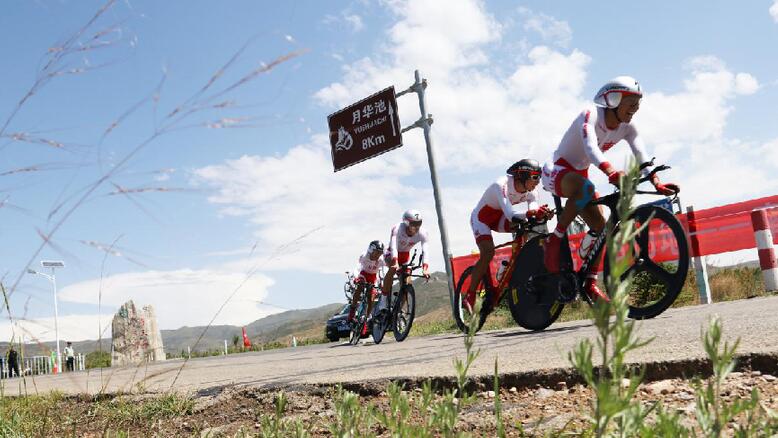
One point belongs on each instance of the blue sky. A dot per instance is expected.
(256, 209)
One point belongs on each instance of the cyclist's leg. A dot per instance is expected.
(355, 299)
(370, 298)
(592, 215)
(486, 250)
(483, 238)
(579, 191)
(389, 278)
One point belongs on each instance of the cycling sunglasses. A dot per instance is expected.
(414, 224)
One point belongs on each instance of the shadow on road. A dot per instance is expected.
(541, 333)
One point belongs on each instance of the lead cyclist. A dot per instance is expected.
(596, 129)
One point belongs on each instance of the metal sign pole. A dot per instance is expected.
(425, 122)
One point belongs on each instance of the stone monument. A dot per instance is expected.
(135, 336)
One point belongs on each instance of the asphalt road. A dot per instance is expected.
(677, 336)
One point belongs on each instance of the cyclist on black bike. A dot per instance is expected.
(369, 264)
(510, 198)
(404, 237)
(593, 132)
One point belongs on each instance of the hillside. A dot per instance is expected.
(280, 327)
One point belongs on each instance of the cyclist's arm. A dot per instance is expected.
(638, 147)
(393, 242)
(589, 139)
(358, 268)
(532, 201)
(508, 209)
(425, 265)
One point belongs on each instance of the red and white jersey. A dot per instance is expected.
(588, 138)
(501, 201)
(400, 241)
(368, 266)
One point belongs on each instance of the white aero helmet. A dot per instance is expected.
(411, 216)
(610, 94)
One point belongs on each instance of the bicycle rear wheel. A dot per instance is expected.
(655, 285)
(403, 313)
(462, 314)
(534, 294)
(380, 324)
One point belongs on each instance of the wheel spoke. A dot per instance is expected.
(634, 269)
(642, 242)
(661, 273)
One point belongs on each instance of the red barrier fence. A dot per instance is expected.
(714, 230)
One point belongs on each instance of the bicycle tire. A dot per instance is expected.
(459, 310)
(534, 306)
(401, 324)
(360, 320)
(673, 282)
(380, 324)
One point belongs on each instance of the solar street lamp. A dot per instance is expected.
(52, 264)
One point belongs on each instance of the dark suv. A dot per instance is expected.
(338, 326)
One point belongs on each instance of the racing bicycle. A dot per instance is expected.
(360, 322)
(401, 306)
(538, 297)
(490, 292)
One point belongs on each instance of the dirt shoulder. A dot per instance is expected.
(537, 402)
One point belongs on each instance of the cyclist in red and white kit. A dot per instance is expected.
(404, 237)
(369, 265)
(509, 199)
(596, 129)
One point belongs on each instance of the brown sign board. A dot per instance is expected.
(365, 129)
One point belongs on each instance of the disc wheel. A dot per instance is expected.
(655, 285)
(380, 324)
(533, 293)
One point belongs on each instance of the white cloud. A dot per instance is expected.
(352, 21)
(774, 11)
(551, 30)
(181, 297)
(355, 21)
(71, 328)
(485, 118)
(687, 130)
(482, 120)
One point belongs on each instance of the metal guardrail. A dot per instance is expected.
(39, 365)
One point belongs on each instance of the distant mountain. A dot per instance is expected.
(279, 327)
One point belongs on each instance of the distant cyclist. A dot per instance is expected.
(596, 129)
(511, 198)
(404, 237)
(369, 265)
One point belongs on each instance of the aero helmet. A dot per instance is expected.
(610, 94)
(524, 169)
(375, 245)
(411, 216)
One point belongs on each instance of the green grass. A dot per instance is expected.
(55, 414)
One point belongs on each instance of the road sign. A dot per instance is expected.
(365, 129)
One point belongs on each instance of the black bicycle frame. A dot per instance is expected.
(611, 201)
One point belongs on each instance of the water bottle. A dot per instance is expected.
(501, 270)
(586, 244)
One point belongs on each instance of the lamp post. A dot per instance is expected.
(53, 279)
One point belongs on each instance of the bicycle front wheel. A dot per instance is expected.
(360, 319)
(534, 294)
(463, 312)
(404, 312)
(655, 284)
